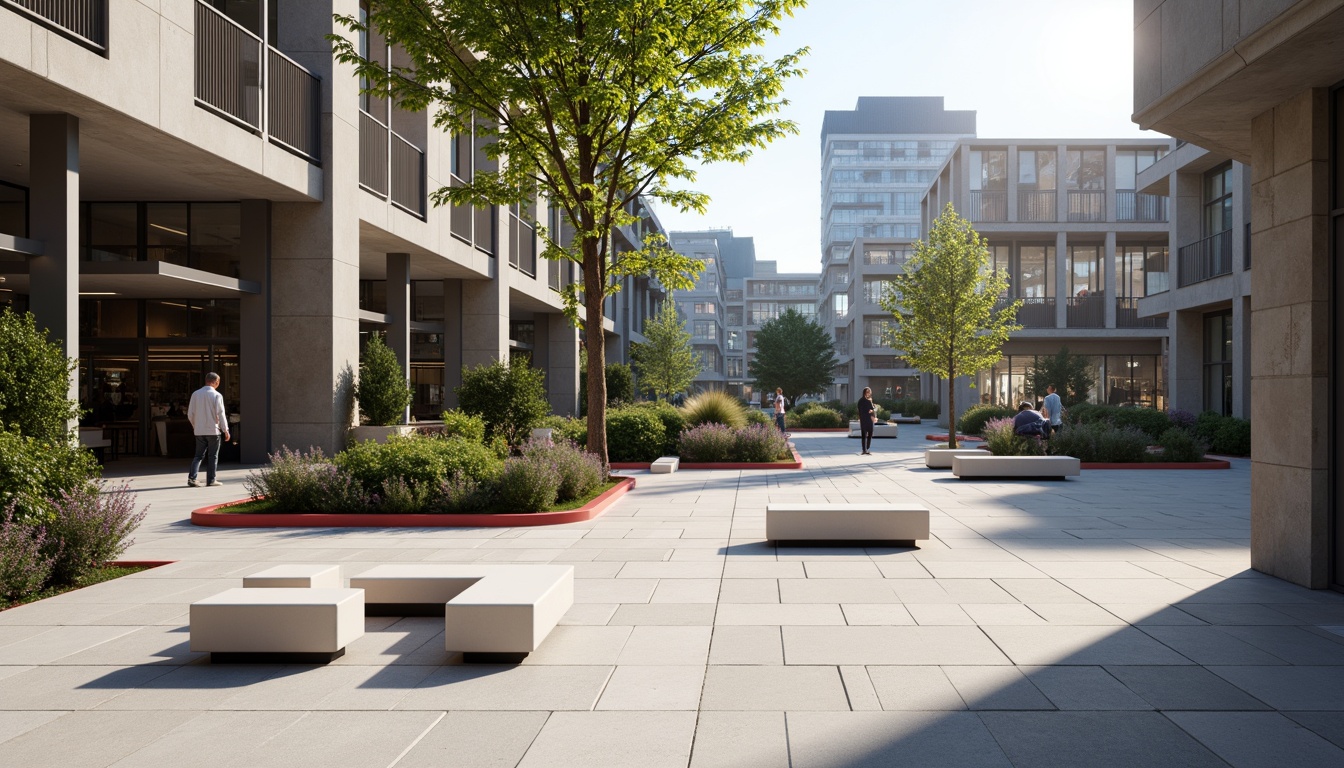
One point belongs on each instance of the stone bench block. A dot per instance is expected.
(665, 466)
(986, 465)
(899, 419)
(491, 612)
(279, 625)
(941, 458)
(879, 430)
(299, 575)
(906, 523)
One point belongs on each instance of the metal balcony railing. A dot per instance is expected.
(1087, 205)
(1086, 312)
(1246, 248)
(228, 68)
(408, 177)
(373, 136)
(522, 246)
(459, 216)
(989, 205)
(1205, 259)
(83, 21)
(1036, 205)
(1127, 316)
(293, 102)
(1035, 312)
(1136, 206)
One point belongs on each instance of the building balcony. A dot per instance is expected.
(1205, 259)
(989, 205)
(1087, 205)
(390, 166)
(1127, 316)
(1037, 205)
(1136, 206)
(1086, 312)
(83, 21)
(1035, 312)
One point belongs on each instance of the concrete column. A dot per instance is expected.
(485, 319)
(399, 312)
(53, 287)
(315, 254)
(254, 349)
(1290, 348)
(1061, 280)
(1111, 178)
(1109, 281)
(1241, 357)
(1061, 188)
(1012, 183)
(452, 341)
(562, 378)
(1185, 385)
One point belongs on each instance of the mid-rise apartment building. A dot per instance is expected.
(714, 309)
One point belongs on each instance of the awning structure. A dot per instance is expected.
(138, 280)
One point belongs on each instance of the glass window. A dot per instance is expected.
(109, 318)
(13, 210)
(1085, 275)
(989, 169)
(426, 301)
(1036, 271)
(216, 233)
(112, 232)
(1086, 169)
(1218, 200)
(1218, 362)
(166, 233)
(1036, 169)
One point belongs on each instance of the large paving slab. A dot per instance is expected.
(1113, 620)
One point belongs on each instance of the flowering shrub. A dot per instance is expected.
(1001, 440)
(89, 527)
(709, 443)
(297, 482)
(580, 472)
(759, 443)
(1182, 419)
(1181, 444)
(1099, 441)
(529, 483)
(24, 568)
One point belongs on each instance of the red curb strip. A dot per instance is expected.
(137, 563)
(1210, 464)
(797, 463)
(210, 517)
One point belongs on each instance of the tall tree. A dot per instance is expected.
(667, 362)
(594, 102)
(793, 353)
(1071, 374)
(943, 307)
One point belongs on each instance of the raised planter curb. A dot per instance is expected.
(210, 517)
(797, 463)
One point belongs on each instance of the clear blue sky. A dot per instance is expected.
(1029, 68)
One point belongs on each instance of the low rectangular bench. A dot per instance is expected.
(665, 465)
(941, 458)
(299, 575)
(284, 625)
(492, 613)
(966, 467)
(901, 419)
(901, 523)
(879, 430)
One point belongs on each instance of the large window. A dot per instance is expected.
(876, 290)
(1140, 270)
(705, 329)
(1085, 271)
(1086, 169)
(13, 210)
(989, 170)
(1037, 181)
(1218, 362)
(1218, 200)
(203, 236)
(1035, 272)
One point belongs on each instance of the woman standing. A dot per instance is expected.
(779, 409)
(867, 418)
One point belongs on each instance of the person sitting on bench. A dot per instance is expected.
(1028, 422)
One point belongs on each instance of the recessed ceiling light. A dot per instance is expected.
(97, 293)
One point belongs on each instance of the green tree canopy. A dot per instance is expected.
(382, 391)
(34, 381)
(793, 353)
(666, 362)
(943, 306)
(509, 397)
(594, 103)
(1071, 374)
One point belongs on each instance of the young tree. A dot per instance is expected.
(1071, 374)
(943, 307)
(793, 353)
(34, 380)
(667, 362)
(382, 391)
(595, 103)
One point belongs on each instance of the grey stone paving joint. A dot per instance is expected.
(1111, 619)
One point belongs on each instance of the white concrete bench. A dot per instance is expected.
(941, 458)
(283, 626)
(879, 430)
(492, 613)
(986, 465)
(298, 575)
(665, 465)
(902, 419)
(904, 523)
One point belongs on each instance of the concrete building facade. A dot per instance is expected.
(1263, 83)
(261, 219)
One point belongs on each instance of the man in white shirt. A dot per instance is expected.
(208, 422)
(1053, 411)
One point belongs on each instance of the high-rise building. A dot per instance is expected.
(714, 308)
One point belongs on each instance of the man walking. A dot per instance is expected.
(206, 414)
(1053, 412)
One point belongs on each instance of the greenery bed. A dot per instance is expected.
(268, 507)
(94, 576)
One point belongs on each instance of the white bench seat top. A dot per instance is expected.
(307, 575)
(280, 620)
(1015, 466)
(439, 583)
(846, 522)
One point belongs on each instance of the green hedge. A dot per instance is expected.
(973, 420)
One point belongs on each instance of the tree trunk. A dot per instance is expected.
(951, 408)
(597, 351)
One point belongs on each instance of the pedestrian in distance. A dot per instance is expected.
(867, 418)
(205, 411)
(779, 409)
(1052, 411)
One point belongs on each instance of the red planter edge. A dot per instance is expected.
(1209, 464)
(797, 463)
(137, 563)
(210, 517)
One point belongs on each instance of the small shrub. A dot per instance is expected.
(1180, 445)
(1233, 437)
(568, 428)
(634, 435)
(464, 425)
(1207, 424)
(974, 419)
(714, 407)
(802, 408)
(1001, 440)
(398, 497)
(1182, 419)
(461, 495)
(24, 565)
(580, 472)
(34, 380)
(89, 527)
(1122, 445)
(620, 383)
(1150, 421)
(421, 461)
(528, 484)
(819, 417)
(382, 391)
(834, 405)
(1087, 413)
(759, 443)
(757, 416)
(510, 399)
(710, 443)
(673, 423)
(34, 471)
(924, 409)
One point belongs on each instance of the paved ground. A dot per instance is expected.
(1107, 620)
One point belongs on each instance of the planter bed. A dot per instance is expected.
(214, 517)
(109, 572)
(797, 463)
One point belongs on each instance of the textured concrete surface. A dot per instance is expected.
(1109, 620)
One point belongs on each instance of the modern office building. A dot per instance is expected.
(715, 309)
(1207, 303)
(768, 294)
(877, 160)
(190, 186)
(1263, 84)
(1080, 246)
